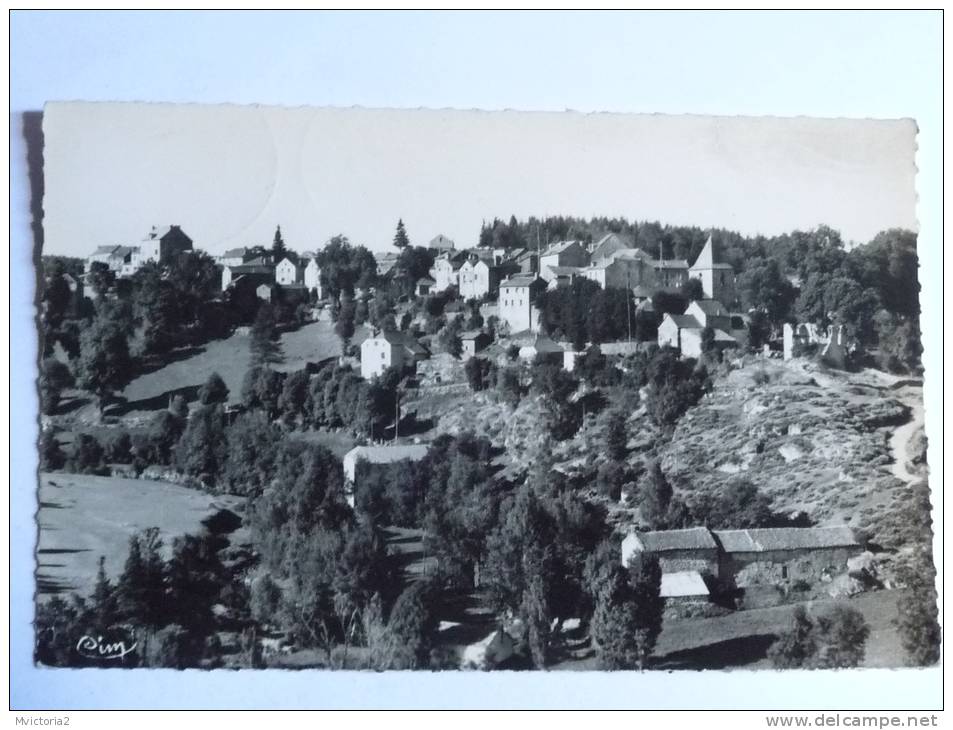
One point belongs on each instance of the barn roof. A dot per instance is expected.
(711, 307)
(387, 454)
(785, 538)
(683, 583)
(687, 539)
(684, 321)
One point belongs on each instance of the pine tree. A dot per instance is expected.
(104, 608)
(278, 248)
(616, 437)
(401, 240)
(265, 343)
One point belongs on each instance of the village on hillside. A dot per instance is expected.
(574, 444)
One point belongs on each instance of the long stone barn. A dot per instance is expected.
(752, 560)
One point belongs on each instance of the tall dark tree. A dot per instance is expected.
(401, 240)
(213, 390)
(265, 340)
(278, 248)
(104, 361)
(344, 326)
(628, 615)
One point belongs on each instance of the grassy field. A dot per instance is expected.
(740, 640)
(82, 517)
(229, 358)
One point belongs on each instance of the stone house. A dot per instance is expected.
(685, 332)
(692, 549)
(564, 253)
(624, 269)
(784, 555)
(517, 302)
(751, 559)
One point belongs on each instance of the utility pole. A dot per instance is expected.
(628, 302)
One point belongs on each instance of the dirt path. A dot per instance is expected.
(901, 437)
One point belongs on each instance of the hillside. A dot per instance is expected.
(830, 444)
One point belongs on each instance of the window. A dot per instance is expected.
(382, 356)
(784, 572)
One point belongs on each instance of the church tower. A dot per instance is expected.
(718, 280)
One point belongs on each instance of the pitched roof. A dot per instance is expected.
(104, 249)
(691, 538)
(425, 280)
(387, 454)
(250, 268)
(670, 264)
(558, 247)
(565, 270)
(631, 253)
(684, 321)
(683, 583)
(785, 538)
(473, 334)
(722, 336)
(519, 280)
(233, 252)
(543, 344)
(711, 307)
(706, 259)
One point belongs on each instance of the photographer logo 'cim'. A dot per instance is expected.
(114, 646)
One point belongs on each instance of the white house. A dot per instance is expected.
(312, 277)
(289, 272)
(163, 243)
(478, 277)
(446, 269)
(389, 349)
(684, 332)
(516, 301)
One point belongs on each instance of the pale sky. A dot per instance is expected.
(229, 174)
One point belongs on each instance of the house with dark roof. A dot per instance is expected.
(756, 561)
(441, 243)
(256, 269)
(162, 243)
